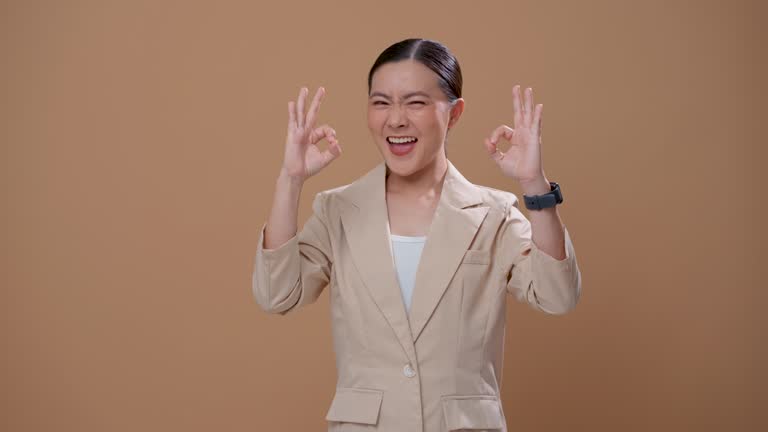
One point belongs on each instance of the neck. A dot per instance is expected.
(427, 182)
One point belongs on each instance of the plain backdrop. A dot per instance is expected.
(140, 145)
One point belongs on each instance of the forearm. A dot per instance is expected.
(546, 225)
(282, 224)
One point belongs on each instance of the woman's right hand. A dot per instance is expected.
(303, 158)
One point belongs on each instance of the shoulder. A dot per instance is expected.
(333, 194)
(501, 200)
(329, 200)
(358, 189)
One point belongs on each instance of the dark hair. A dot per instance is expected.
(431, 54)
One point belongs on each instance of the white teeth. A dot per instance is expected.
(394, 140)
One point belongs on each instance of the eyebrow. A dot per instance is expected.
(405, 96)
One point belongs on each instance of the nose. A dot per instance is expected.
(396, 118)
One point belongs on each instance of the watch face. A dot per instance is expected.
(556, 192)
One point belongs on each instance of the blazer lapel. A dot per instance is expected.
(454, 225)
(366, 225)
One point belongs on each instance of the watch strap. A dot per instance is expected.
(547, 200)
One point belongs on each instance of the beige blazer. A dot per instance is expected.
(439, 367)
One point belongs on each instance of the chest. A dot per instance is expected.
(409, 217)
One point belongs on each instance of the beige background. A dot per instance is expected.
(141, 140)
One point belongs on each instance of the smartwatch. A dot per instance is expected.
(549, 199)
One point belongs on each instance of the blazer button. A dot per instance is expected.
(408, 371)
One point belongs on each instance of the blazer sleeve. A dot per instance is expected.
(533, 276)
(295, 273)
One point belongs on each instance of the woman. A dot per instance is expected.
(418, 259)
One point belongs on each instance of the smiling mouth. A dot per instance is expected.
(401, 140)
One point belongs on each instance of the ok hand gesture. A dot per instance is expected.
(522, 160)
(303, 158)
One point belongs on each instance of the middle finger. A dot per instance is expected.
(314, 106)
(528, 106)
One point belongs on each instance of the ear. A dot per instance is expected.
(456, 110)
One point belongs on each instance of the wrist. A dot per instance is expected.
(289, 180)
(536, 186)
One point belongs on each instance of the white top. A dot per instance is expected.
(406, 251)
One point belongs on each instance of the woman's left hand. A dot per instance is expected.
(522, 160)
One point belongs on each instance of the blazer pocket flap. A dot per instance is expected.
(355, 405)
(473, 256)
(472, 412)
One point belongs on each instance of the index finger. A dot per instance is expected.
(502, 130)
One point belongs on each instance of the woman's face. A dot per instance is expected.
(407, 104)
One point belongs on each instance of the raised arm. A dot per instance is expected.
(302, 160)
(543, 269)
(291, 268)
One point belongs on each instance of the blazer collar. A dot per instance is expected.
(371, 187)
(366, 224)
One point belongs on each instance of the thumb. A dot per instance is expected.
(331, 153)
